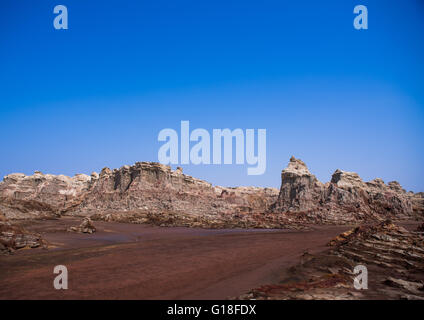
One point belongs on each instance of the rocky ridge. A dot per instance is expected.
(149, 192)
(41, 195)
(346, 198)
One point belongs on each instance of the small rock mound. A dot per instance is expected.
(86, 226)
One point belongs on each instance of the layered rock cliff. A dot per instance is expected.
(41, 195)
(153, 193)
(145, 192)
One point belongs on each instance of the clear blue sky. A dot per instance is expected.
(97, 94)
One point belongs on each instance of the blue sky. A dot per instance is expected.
(97, 94)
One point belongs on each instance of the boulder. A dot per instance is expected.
(86, 226)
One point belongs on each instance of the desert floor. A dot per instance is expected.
(128, 261)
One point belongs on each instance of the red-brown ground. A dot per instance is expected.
(128, 261)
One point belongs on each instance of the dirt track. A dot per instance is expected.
(125, 261)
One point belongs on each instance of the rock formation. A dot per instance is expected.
(14, 237)
(86, 226)
(300, 190)
(41, 195)
(146, 192)
(153, 193)
(346, 198)
(149, 192)
(417, 200)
